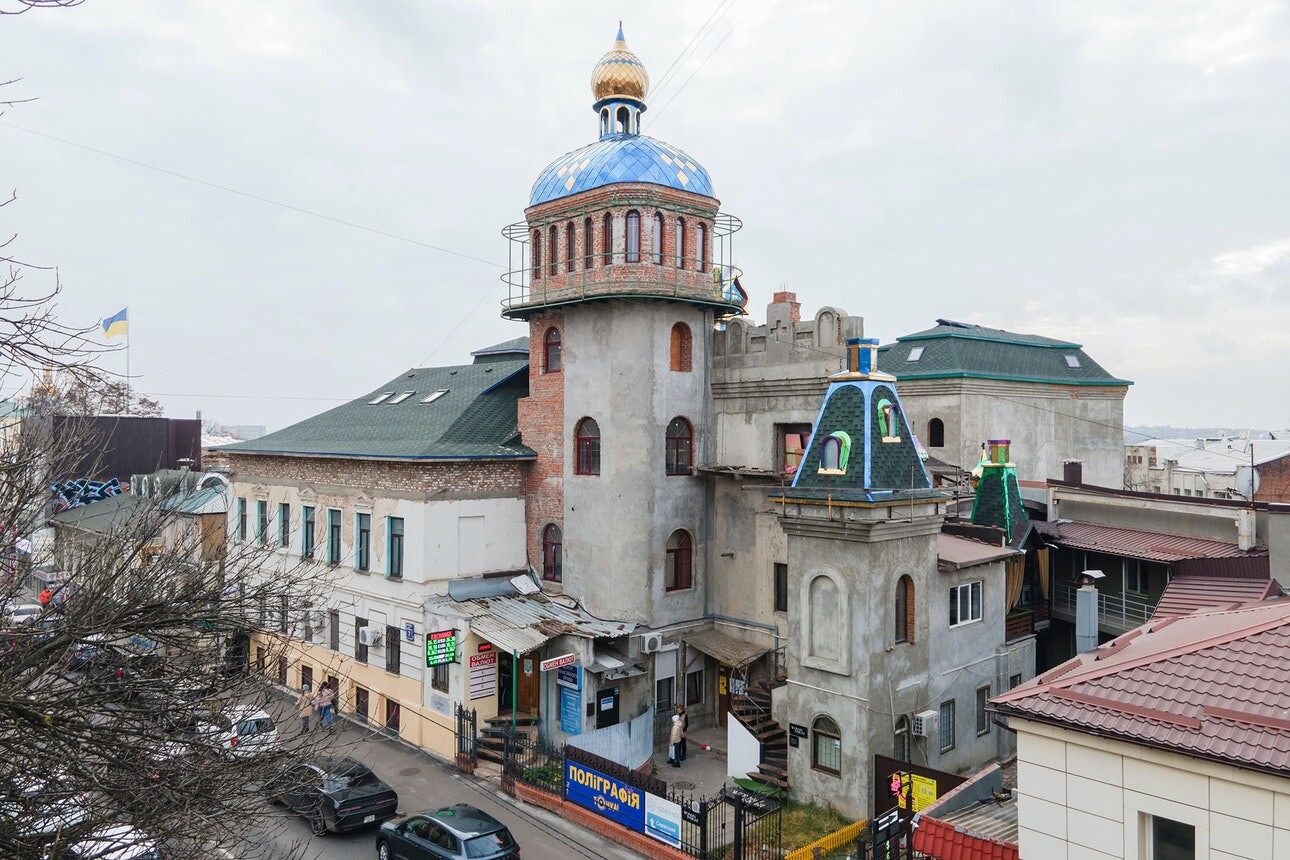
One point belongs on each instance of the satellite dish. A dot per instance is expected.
(1247, 481)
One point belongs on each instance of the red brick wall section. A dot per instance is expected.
(584, 817)
(497, 478)
(541, 419)
(1274, 481)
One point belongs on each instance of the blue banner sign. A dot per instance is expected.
(570, 711)
(612, 798)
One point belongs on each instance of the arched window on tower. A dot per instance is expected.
(587, 447)
(551, 351)
(656, 240)
(701, 247)
(537, 255)
(607, 240)
(680, 552)
(604, 121)
(624, 124)
(553, 251)
(552, 554)
(570, 240)
(936, 433)
(826, 746)
(588, 258)
(680, 243)
(680, 448)
(904, 610)
(682, 348)
(633, 244)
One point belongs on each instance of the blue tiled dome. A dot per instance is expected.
(620, 158)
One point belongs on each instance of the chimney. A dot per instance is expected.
(862, 355)
(794, 306)
(1073, 471)
(1086, 613)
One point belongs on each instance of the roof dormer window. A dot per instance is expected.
(835, 451)
(402, 396)
(434, 395)
(915, 354)
(1072, 360)
(380, 398)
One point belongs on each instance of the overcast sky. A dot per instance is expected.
(1116, 173)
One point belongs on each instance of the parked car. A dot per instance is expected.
(461, 832)
(23, 613)
(243, 730)
(125, 672)
(334, 794)
(115, 842)
(37, 809)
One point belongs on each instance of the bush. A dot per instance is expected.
(545, 776)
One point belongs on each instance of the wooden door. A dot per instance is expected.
(528, 686)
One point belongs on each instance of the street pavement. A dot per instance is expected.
(423, 782)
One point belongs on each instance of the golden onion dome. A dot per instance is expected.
(619, 73)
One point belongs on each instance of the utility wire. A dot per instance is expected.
(696, 71)
(690, 45)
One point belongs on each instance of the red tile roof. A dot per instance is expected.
(1190, 592)
(1149, 546)
(1214, 685)
(944, 841)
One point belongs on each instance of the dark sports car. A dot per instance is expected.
(334, 794)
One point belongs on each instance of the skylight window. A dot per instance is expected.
(380, 398)
(915, 354)
(1072, 361)
(434, 395)
(402, 396)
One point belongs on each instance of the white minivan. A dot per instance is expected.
(242, 730)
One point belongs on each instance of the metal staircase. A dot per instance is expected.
(752, 709)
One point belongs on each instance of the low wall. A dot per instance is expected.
(743, 750)
(631, 744)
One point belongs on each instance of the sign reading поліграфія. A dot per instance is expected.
(634, 809)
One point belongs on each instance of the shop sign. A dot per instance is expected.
(483, 675)
(569, 677)
(441, 647)
(557, 662)
(612, 798)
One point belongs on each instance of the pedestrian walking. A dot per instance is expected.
(304, 706)
(674, 741)
(685, 727)
(326, 702)
(46, 596)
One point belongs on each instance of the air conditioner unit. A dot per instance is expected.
(369, 636)
(925, 723)
(651, 642)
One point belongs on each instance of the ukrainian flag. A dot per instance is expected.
(117, 324)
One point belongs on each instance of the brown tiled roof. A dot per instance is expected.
(1190, 592)
(1149, 546)
(946, 841)
(1214, 685)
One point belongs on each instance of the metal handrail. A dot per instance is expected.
(1113, 610)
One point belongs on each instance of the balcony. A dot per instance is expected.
(1116, 614)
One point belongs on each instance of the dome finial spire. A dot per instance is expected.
(619, 84)
(620, 32)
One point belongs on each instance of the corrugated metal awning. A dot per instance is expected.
(727, 649)
(521, 622)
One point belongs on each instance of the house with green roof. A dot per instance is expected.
(964, 384)
(392, 496)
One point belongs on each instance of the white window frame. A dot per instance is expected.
(961, 601)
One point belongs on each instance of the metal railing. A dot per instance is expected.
(1114, 611)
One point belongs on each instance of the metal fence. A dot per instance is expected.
(1115, 611)
(467, 748)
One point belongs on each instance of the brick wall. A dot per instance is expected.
(541, 420)
(482, 479)
(1274, 481)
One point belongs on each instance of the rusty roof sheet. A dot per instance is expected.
(1215, 685)
(521, 622)
(1149, 546)
(1190, 592)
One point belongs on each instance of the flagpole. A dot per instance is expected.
(127, 361)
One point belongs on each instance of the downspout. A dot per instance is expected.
(515, 685)
(709, 491)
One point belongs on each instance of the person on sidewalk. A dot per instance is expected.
(685, 727)
(674, 741)
(325, 700)
(304, 706)
(46, 596)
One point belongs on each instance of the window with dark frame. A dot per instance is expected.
(781, 587)
(1171, 840)
(947, 726)
(395, 568)
(360, 650)
(587, 447)
(393, 657)
(363, 542)
(307, 625)
(284, 525)
(307, 536)
(262, 520)
(904, 609)
(1136, 579)
(552, 251)
(982, 718)
(936, 433)
(362, 702)
(826, 746)
(307, 676)
(588, 257)
(680, 243)
(241, 519)
(900, 747)
(284, 613)
(570, 243)
(656, 240)
(790, 446)
(537, 255)
(551, 351)
(633, 243)
(392, 715)
(439, 677)
(333, 536)
(1014, 680)
(965, 603)
(333, 624)
(679, 561)
(679, 448)
(552, 554)
(283, 666)
(607, 240)
(701, 247)
(694, 687)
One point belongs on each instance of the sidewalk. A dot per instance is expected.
(703, 772)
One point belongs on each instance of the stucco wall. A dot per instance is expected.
(1087, 797)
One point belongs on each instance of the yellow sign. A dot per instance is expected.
(921, 790)
(721, 685)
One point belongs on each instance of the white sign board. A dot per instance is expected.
(483, 675)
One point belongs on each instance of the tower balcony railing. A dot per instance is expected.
(1115, 613)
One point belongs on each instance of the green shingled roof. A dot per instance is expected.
(953, 349)
(475, 419)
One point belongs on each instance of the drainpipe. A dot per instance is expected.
(1086, 599)
(709, 320)
(515, 685)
